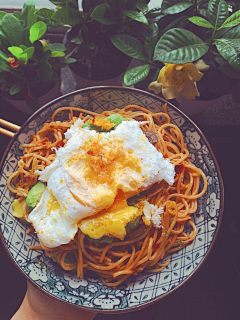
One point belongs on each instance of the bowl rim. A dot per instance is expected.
(194, 271)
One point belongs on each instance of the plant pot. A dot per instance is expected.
(115, 81)
(194, 107)
(21, 105)
(106, 67)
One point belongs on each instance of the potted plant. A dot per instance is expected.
(29, 65)
(88, 41)
(209, 31)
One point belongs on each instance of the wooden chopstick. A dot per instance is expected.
(8, 125)
(6, 132)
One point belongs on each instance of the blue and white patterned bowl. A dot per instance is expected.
(141, 290)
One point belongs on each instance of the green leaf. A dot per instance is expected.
(54, 24)
(26, 35)
(173, 6)
(13, 29)
(57, 47)
(44, 71)
(26, 55)
(201, 22)
(17, 87)
(29, 51)
(130, 46)
(180, 22)
(26, 7)
(234, 33)
(23, 58)
(75, 14)
(45, 13)
(46, 54)
(228, 70)
(18, 15)
(46, 48)
(136, 75)
(217, 12)
(77, 40)
(62, 15)
(138, 16)
(38, 49)
(4, 40)
(59, 3)
(179, 46)
(2, 14)
(73, 4)
(100, 14)
(15, 51)
(143, 7)
(57, 54)
(31, 18)
(69, 60)
(4, 66)
(37, 31)
(232, 21)
(151, 39)
(230, 50)
(4, 56)
(154, 13)
(23, 47)
(91, 45)
(55, 78)
(203, 12)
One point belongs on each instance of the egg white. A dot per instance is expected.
(52, 226)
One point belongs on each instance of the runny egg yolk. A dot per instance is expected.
(104, 124)
(111, 221)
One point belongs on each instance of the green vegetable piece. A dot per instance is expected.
(133, 224)
(115, 118)
(92, 127)
(87, 125)
(103, 239)
(34, 195)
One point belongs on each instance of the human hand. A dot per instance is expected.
(38, 306)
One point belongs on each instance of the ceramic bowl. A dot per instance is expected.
(89, 293)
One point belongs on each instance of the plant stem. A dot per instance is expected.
(71, 52)
(213, 35)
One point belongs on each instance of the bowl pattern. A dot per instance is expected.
(89, 292)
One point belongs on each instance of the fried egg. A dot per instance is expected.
(53, 227)
(87, 175)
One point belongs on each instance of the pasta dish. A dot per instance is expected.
(110, 193)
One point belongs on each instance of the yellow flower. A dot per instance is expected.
(176, 80)
(44, 43)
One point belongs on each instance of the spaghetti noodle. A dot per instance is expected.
(143, 248)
